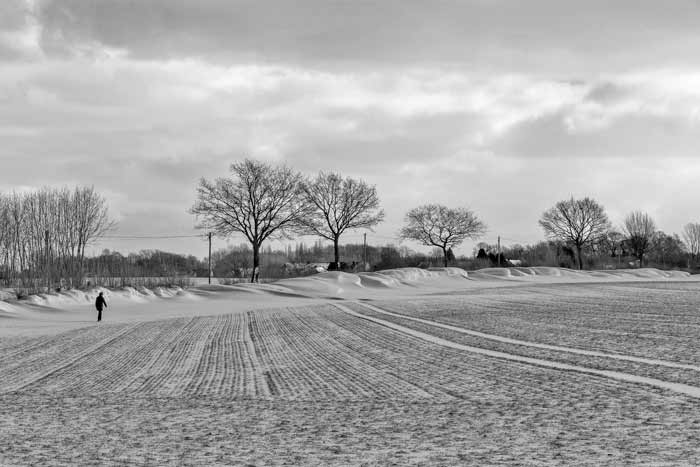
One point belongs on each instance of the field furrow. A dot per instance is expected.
(44, 367)
(307, 375)
(112, 366)
(353, 358)
(507, 340)
(324, 360)
(315, 353)
(663, 370)
(257, 384)
(18, 348)
(25, 359)
(685, 389)
(174, 374)
(454, 373)
(209, 372)
(556, 374)
(146, 375)
(610, 322)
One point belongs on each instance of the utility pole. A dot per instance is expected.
(364, 252)
(48, 272)
(209, 257)
(499, 251)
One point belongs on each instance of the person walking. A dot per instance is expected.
(99, 304)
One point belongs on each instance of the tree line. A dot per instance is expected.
(44, 235)
(262, 201)
(148, 268)
(583, 225)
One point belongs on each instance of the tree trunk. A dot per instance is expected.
(444, 255)
(580, 259)
(256, 261)
(336, 252)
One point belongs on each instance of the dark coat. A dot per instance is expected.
(100, 303)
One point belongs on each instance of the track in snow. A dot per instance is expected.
(308, 353)
(656, 323)
(686, 389)
(508, 340)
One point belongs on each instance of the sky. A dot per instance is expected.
(503, 107)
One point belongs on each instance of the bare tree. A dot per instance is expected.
(691, 235)
(5, 232)
(611, 243)
(261, 201)
(667, 250)
(43, 234)
(579, 222)
(338, 204)
(90, 221)
(442, 227)
(640, 229)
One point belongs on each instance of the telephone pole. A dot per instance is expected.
(209, 235)
(48, 272)
(499, 251)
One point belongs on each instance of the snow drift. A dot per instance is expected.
(54, 312)
(338, 284)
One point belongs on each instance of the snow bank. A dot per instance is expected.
(416, 274)
(126, 294)
(349, 285)
(7, 294)
(402, 282)
(9, 310)
(343, 284)
(552, 274)
(331, 283)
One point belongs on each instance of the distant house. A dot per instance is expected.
(303, 268)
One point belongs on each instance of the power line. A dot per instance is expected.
(138, 237)
(351, 236)
(373, 235)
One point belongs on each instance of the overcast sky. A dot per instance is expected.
(502, 106)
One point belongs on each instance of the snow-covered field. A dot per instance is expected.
(521, 366)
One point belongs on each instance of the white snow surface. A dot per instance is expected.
(536, 366)
(559, 348)
(686, 389)
(58, 312)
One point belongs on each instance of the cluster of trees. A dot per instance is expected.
(147, 267)
(44, 235)
(667, 251)
(262, 201)
(578, 227)
(236, 261)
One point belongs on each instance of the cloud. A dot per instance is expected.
(505, 107)
(19, 30)
(150, 129)
(171, 106)
(670, 94)
(545, 35)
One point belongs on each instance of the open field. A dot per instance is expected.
(450, 372)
